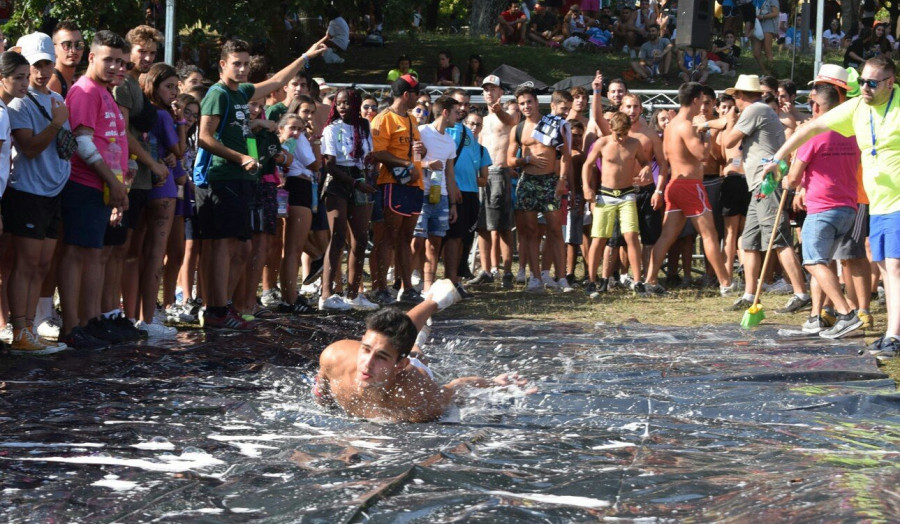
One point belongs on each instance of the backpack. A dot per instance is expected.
(204, 158)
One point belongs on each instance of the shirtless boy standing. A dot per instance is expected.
(685, 197)
(376, 378)
(615, 198)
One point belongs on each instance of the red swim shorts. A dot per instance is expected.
(688, 196)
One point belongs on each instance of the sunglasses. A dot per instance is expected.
(870, 83)
(367, 107)
(474, 124)
(420, 111)
(68, 45)
(187, 113)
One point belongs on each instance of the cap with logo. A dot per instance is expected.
(36, 47)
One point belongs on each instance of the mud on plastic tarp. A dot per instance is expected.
(630, 421)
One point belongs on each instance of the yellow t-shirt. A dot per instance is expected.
(855, 117)
(391, 133)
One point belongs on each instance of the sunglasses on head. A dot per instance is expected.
(870, 83)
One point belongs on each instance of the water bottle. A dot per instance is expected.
(359, 197)
(282, 196)
(314, 207)
(132, 171)
(113, 158)
(434, 192)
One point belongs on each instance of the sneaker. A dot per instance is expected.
(565, 286)
(845, 325)
(315, 270)
(383, 297)
(520, 276)
(507, 282)
(483, 278)
(99, 328)
(126, 328)
(227, 321)
(867, 319)
(548, 281)
(155, 330)
(794, 304)
(6, 334)
(739, 305)
(626, 281)
(270, 297)
(78, 338)
(590, 288)
(311, 289)
(48, 329)
(828, 316)
(780, 287)
(815, 324)
(416, 278)
(361, 303)
(26, 343)
(333, 303)
(179, 314)
(639, 288)
(655, 290)
(410, 296)
(463, 293)
(872, 348)
(889, 348)
(534, 286)
(299, 307)
(728, 290)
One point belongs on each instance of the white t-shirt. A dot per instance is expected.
(303, 156)
(6, 149)
(339, 32)
(440, 146)
(337, 141)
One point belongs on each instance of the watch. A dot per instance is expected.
(659, 192)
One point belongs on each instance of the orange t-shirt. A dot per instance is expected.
(861, 196)
(392, 133)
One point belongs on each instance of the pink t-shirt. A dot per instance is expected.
(92, 106)
(830, 176)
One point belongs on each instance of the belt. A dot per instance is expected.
(616, 192)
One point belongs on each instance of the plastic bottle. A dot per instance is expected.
(132, 171)
(282, 196)
(314, 207)
(434, 192)
(113, 158)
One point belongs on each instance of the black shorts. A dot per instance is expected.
(713, 186)
(466, 216)
(31, 216)
(299, 191)
(137, 201)
(319, 218)
(84, 215)
(735, 197)
(748, 12)
(223, 209)
(402, 200)
(649, 219)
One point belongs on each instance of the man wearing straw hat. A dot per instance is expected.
(760, 133)
(874, 118)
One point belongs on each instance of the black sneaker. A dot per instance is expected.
(410, 296)
(639, 288)
(590, 288)
(98, 328)
(507, 282)
(121, 325)
(382, 297)
(739, 305)
(794, 304)
(483, 278)
(889, 348)
(462, 291)
(603, 285)
(78, 338)
(655, 290)
(315, 270)
(299, 307)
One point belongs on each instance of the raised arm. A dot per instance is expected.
(281, 78)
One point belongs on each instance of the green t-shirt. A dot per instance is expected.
(275, 112)
(221, 101)
(855, 117)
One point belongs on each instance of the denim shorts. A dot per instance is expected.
(822, 233)
(434, 220)
(884, 236)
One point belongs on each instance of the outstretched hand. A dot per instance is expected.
(317, 49)
(513, 379)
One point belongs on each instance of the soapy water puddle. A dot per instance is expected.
(630, 422)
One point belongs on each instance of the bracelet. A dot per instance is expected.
(659, 192)
(316, 142)
(247, 163)
(305, 60)
(181, 123)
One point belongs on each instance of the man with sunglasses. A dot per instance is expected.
(69, 47)
(874, 119)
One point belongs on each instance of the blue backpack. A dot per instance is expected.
(204, 157)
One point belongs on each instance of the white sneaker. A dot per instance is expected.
(520, 276)
(270, 297)
(179, 314)
(361, 303)
(780, 287)
(534, 286)
(159, 316)
(565, 286)
(48, 329)
(626, 280)
(548, 281)
(6, 334)
(728, 290)
(310, 289)
(333, 303)
(155, 330)
(416, 278)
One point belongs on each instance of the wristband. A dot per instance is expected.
(181, 123)
(659, 192)
(305, 60)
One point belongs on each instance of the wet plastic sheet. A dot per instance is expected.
(630, 422)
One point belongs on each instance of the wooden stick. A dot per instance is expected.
(762, 271)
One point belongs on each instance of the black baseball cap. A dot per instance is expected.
(405, 84)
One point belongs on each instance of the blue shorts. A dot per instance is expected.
(402, 200)
(84, 216)
(823, 232)
(434, 220)
(884, 236)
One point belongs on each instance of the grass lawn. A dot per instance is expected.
(371, 64)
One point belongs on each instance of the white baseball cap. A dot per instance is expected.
(492, 80)
(36, 47)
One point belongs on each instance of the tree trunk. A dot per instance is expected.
(484, 16)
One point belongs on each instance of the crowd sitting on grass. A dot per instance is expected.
(259, 195)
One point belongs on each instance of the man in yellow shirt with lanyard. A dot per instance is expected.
(874, 118)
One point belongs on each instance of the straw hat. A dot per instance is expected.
(832, 74)
(745, 83)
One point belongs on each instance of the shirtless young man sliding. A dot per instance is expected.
(685, 196)
(616, 199)
(376, 377)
